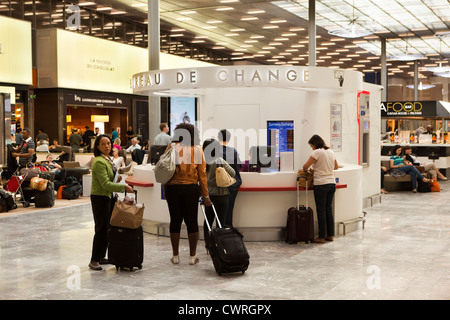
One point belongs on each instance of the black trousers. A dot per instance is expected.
(182, 200)
(232, 198)
(221, 205)
(102, 207)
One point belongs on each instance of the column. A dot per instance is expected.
(312, 32)
(153, 63)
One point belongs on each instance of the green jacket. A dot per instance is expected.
(103, 177)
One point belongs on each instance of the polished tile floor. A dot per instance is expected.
(403, 253)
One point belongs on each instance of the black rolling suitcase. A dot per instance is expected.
(126, 246)
(226, 247)
(46, 198)
(300, 221)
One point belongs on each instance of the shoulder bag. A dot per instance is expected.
(223, 179)
(165, 167)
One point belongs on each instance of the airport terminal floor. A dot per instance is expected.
(403, 253)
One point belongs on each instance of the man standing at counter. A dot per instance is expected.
(231, 156)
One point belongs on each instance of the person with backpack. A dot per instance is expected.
(102, 201)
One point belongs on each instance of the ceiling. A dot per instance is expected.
(276, 32)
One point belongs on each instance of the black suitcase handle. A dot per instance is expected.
(202, 205)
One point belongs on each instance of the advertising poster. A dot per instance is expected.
(336, 127)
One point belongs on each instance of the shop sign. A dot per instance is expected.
(244, 76)
(408, 109)
(98, 101)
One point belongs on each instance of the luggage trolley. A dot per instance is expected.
(15, 180)
(14, 185)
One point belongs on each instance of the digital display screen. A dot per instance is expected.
(280, 134)
(182, 109)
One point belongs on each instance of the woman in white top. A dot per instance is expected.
(118, 161)
(323, 162)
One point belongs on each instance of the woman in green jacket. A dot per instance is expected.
(103, 172)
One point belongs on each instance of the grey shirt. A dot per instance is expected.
(213, 189)
(162, 139)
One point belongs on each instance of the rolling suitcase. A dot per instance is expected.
(300, 221)
(126, 247)
(46, 198)
(226, 247)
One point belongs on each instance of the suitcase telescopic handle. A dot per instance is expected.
(202, 205)
(298, 191)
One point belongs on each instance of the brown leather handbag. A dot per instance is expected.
(127, 214)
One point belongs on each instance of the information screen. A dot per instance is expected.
(182, 109)
(280, 134)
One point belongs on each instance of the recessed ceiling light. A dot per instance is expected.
(255, 11)
(270, 27)
(421, 86)
(225, 9)
(407, 57)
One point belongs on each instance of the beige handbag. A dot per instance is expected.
(223, 179)
(127, 214)
(39, 184)
(306, 182)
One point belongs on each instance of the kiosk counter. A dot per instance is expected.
(262, 203)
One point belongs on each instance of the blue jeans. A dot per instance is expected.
(414, 173)
(323, 196)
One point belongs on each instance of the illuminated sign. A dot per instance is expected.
(408, 109)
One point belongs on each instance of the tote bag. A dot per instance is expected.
(165, 167)
(127, 214)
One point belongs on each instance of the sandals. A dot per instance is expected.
(193, 260)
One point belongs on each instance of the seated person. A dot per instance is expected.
(430, 167)
(116, 144)
(118, 161)
(134, 146)
(51, 165)
(54, 146)
(397, 161)
(62, 157)
(42, 146)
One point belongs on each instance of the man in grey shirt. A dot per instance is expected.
(162, 138)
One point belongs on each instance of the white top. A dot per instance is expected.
(117, 161)
(324, 166)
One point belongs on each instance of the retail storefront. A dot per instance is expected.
(406, 122)
(82, 78)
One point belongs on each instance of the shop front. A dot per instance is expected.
(422, 124)
(58, 111)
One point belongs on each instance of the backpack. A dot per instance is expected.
(72, 190)
(6, 201)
